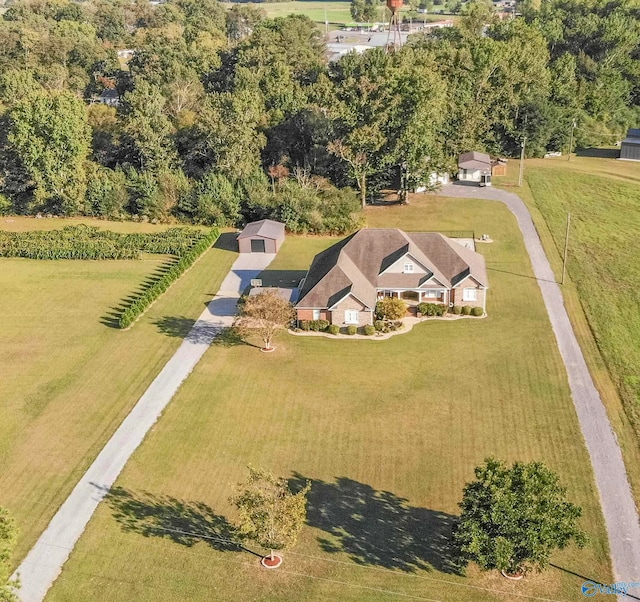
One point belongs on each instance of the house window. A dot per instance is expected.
(351, 317)
(408, 268)
(316, 314)
(431, 293)
(469, 294)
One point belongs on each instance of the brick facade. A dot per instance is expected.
(307, 314)
(457, 293)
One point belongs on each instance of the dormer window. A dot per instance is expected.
(408, 268)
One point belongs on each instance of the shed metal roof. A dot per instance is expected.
(474, 160)
(265, 228)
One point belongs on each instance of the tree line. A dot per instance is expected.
(226, 116)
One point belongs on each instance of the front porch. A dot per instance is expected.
(413, 297)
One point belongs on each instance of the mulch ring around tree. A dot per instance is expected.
(512, 576)
(271, 563)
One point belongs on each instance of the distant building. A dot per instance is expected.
(109, 97)
(630, 146)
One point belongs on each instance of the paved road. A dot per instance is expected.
(45, 560)
(621, 516)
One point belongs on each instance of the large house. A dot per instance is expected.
(345, 281)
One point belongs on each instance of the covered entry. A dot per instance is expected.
(264, 236)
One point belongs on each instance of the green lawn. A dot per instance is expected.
(601, 291)
(337, 13)
(66, 378)
(387, 431)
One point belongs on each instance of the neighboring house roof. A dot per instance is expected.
(474, 160)
(266, 228)
(358, 266)
(110, 93)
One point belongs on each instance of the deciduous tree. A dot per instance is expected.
(513, 518)
(263, 315)
(51, 135)
(270, 513)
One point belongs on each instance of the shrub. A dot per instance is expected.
(431, 309)
(369, 330)
(476, 311)
(457, 310)
(140, 304)
(391, 308)
(322, 325)
(352, 329)
(379, 325)
(466, 310)
(333, 329)
(305, 325)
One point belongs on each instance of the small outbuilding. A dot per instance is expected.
(630, 146)
(265, 236)
(475, 167)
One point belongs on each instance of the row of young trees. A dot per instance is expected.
(226, 116)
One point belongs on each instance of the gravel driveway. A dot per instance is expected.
(618, 507)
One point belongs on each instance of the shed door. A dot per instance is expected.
(257, 245)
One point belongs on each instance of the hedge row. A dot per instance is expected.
(140, 304)
(89, 242)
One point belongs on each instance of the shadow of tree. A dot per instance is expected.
(227, 241)
(175, 326)
(378, 527)
(183, 522)
(182, 327)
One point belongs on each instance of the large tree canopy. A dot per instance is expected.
(208, 90)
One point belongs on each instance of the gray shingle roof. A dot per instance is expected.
(356, 264)
(266, 228)
(474, 160)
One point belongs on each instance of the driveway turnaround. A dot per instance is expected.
(44, 561)
(616, 499)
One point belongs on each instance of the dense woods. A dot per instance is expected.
(225, 116)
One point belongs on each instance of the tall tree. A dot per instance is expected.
(52, 138)
(270, 514)
(513, 518)
(148, 128)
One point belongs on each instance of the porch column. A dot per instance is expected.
(419, 296)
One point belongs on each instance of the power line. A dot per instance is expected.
(191, 552)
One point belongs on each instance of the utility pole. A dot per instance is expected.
(326, 23)
(524, 142)
(573, 127)
(566, 248)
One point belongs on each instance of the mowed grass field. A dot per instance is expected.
(603, 269)
(388, 432)
(66, 379)
(337, 13)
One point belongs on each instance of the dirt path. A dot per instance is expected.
(45, 560)
(616, 498)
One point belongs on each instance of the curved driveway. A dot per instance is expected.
(616, 499)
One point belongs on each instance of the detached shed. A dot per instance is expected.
(630, 147)
(264, 236)
(475, 167)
